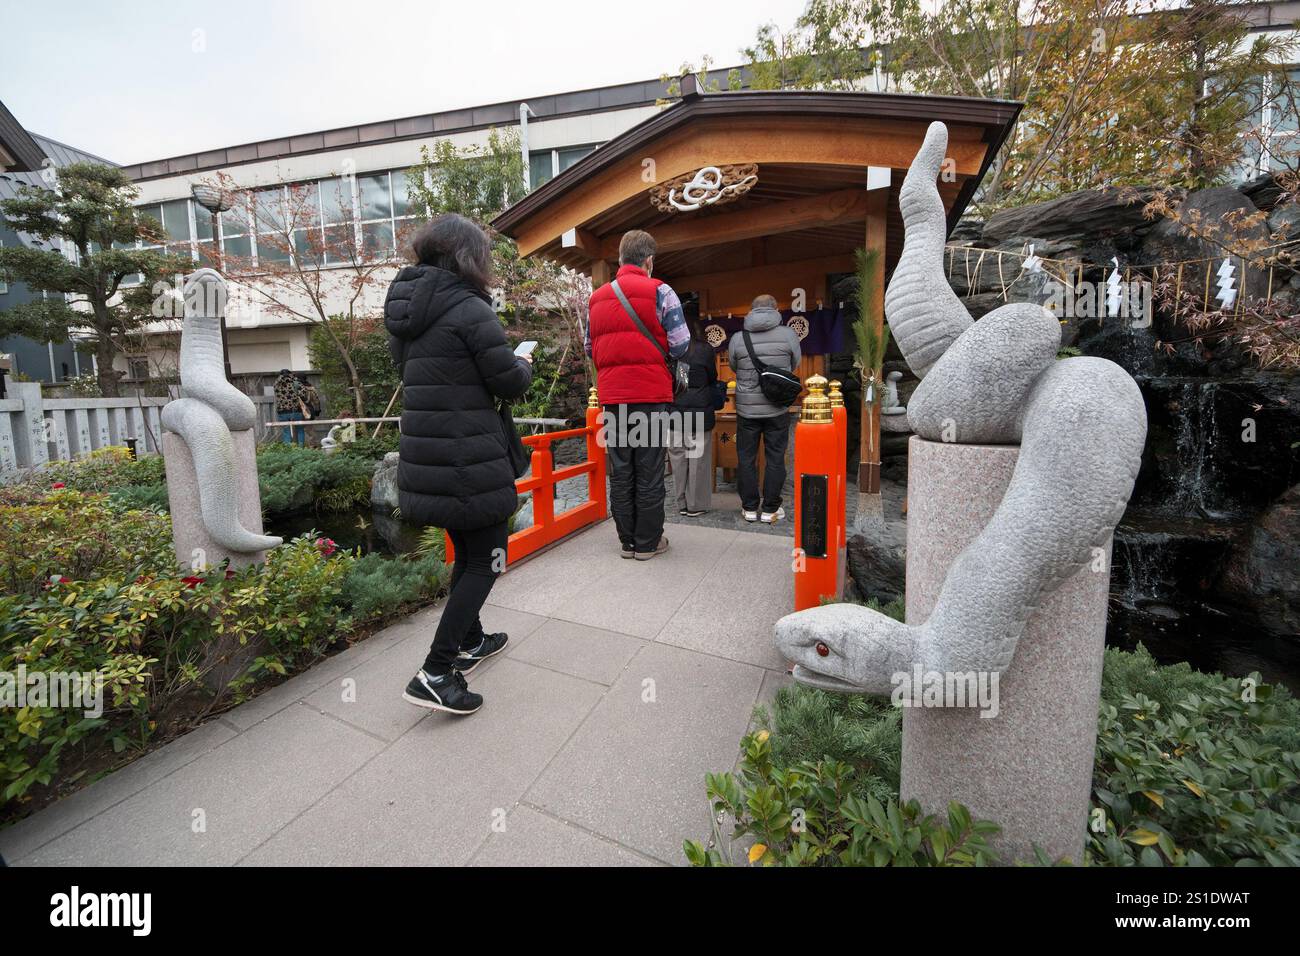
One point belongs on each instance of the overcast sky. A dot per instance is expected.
(156, 78)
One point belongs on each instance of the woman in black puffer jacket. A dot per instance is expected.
(454, 471)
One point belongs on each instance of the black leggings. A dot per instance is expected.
(480, 557)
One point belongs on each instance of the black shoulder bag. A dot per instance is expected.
(679, 371)
(777, 385)
(516, 450)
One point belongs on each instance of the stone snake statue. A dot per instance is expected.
(209, 409)
(1081, 426)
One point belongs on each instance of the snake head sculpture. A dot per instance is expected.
(209, 409)
(1080, 423)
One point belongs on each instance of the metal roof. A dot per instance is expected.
(61, 154)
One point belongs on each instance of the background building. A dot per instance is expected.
(23, 157)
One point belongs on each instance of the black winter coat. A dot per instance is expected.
(698, 395)
(455, 362)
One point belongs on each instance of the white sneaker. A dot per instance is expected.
(772, 517)
(750, 515)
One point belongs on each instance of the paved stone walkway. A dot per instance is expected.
(625, 683)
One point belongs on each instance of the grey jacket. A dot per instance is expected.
(776, 345)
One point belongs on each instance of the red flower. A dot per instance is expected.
(191, 581)
(57, 579)
(57, 485)
(326, 546)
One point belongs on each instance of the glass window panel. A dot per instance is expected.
(205, 255)
(179, 249)
(376, 202)
(271, 248)
(539, 168)
(336, 200)
(238, 246)
(570, 156)
(401, 198)
(202, 223)
(1286, 103)
(340, 244)
(306, 245)
(234, 222)
(269, 210)
(176, 219)
(377, 240)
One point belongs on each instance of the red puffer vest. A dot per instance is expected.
(628, 368)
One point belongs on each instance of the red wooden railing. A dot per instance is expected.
(548, 527)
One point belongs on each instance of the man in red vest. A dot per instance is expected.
(635, 327)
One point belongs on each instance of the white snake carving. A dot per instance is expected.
(209, 409)
(1081, 425)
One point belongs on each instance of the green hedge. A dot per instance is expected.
(1191, 769)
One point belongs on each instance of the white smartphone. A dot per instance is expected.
(525, 349)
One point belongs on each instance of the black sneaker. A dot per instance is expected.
(488, 645)
(448, 692)
(628, 551)
(695, 514)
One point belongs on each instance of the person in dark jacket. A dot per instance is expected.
(454, 471)
(757, 418)
(690, 448)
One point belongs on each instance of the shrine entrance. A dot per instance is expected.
(750, 193)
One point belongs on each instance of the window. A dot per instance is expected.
(236, 237)
(138, 367)
(541, 167)
(385, 212)
(567, 157)
(269, 221)
(549, 163)
(1272, 123)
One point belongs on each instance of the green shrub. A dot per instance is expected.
(104, 469)
(810, 815)
(377, 585)
(92, 588)
(1209, 776)
(295, 479)
(372, 449)
(1191, 768)
(80, 536)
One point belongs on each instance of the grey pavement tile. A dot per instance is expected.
(639, 597)
(567, 570)
(29, 834)
(432, 797)
(576, 649)
(532, 838)
(246, 789)
(635, 770)
(731, 612)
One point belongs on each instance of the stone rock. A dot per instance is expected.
(1285, 220)
(1262, 573)
(1263, 191)
(1169, 242)
(383, 487)
(1095, 212)
(877, 566)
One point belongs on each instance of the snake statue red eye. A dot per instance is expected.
(822, 650)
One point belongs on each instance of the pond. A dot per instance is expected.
(370, 530)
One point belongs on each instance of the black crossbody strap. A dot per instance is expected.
(627, 307)
(759, 367)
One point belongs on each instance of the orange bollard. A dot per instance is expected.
(818, 522)
(840, 416)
